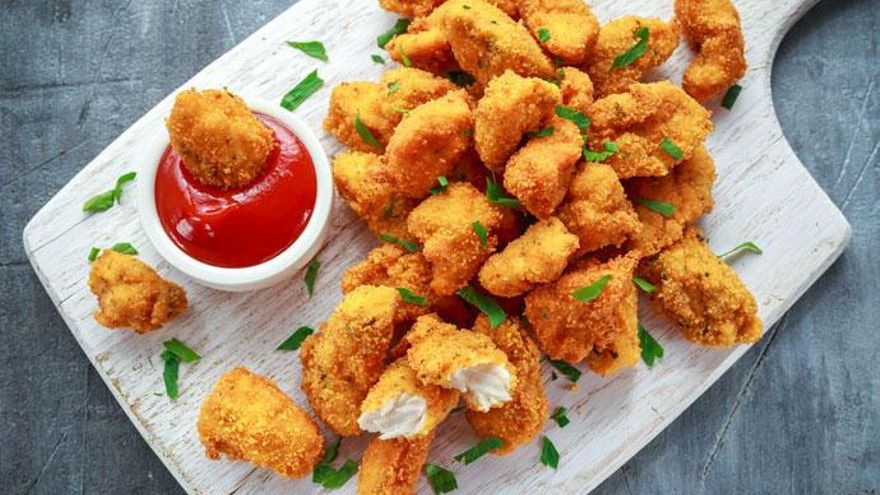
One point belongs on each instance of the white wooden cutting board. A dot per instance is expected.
(763, 194)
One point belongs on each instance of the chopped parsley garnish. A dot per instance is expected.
(311, 275)
(410, 246)
(124, 248)
(365, 132)
(559, 415)
(479, 450)
(746, 246)
(441, 480)
(175, 352)
(544, 35)
(106, 200)
(485, 304)
(566, 369)
(592, 291)
(671, 149)
(549, 454)
(314, 49)
(643, 284)
(651, 349)
(399, 27)
(548, 131)
(93, 254)
(461, 78)
(377, 59)
(635, 52)
(661, 207)
(575, 116)
(411, 298)
(293, 342)
(301, 92)
(393, 87)
(481, 233)
(331, 478)
(731, 96)
(404, 59)
(496, 195)
(444, 183)
(601, 156)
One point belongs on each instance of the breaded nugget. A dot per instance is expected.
(571, 330)
(220, 141)
(540, 172)
(688, 187)
(425, 46)
(577, 89)
(444, 224)
(393, 467)
(247, 417)
(713, 28)
(538, 257)
(639, 120)
(132, 295)
(616, 38)
(411, 8)
(570, 24)
(517, 422)
(512, 106)
(407, 88)
(702, 294)
(596, 209)
(462, 360)
(428, 143)
(346, 358)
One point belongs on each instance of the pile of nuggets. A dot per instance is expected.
(534, 182)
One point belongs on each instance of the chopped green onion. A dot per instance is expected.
(399, 27)
(544, 35)
(601, 156)
(377, 59)
(560, 415)
(671, 149)
(170, 374)
(461, 78)
(388, 212)
(93, 254)
(293, 342)
(731, 96)
(181, 351)
(411, 298)
(441, 480)
(122, 181)
(746, 246)
(643, 284)
(479, 450)
(124, 248)
(332, 451)
(467, 132)
(410, 246)
(592, 291)
(106, 200)
(481, 233)
(485, 304)
(301, 92)
(549, 454)
(444, 183)
(328, 477)
(404, 59)
(365, 132)
(661, 207)
(393, 87)
(314, 49)
(496, 195)
(548, 131)
(311, 275)
(651, 349)
(635, 52)
(575, 116)
(566, 369)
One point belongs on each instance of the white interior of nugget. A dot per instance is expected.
(487, 385)
(400, 416)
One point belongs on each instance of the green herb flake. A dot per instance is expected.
(651, 349)
(481, 233)
(671, 149)
(181, 351)
(301, 92)
(314, 49)
(549, 454)
(365, 132)
(544, 35)
(479, 450)
(311, 275)
(643, 284)
(661, 207)
(121, 182)
(106, 200)
(124, 248)
(592, 291)
(399, 27)
(330, 478)
(575, 116)
(572, 373)
(750, 247)
(93, 254)
(635, 52)
(467, 132)
(461, 78)
(408, 297)
(442, 480)
(377, 59)
(410, 246)
(293, 342)
(497, 195)
(393, 87)
(444, 184)
(731, 96)
(601, 156)
(332, 451)
(485, 304)
(548, 131)
(560, 416)
(404, 59)
(170, 374)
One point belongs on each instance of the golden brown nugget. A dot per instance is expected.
(512, 106)
(132, 295)
(540, 172)
(577, 89)
(538, 257)
(597, 211)
(713, 28)
(406, 88)
(444, 224)
(425, 46)
(220, 141)
(520, 420)
(393, 467)
(247, 417)
(346, 358)
(411, 8)
(688, 188)
(639, 120)
(570, 26)
(568, 329)
(616, 38)
(462, 360)
(702, 294)
(623, 351)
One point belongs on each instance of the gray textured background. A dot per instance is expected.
(798, 414)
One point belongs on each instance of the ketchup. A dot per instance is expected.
(245, 226)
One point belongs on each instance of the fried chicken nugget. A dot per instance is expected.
(444, 224)
(702, 294)
(392, 266)
(393, 467)
(462, 360)
(425, 45)
(512, 106)
(714, 28)
(520, 420)
(577, 89)
(131, 294)
(346, 358)
(616, 38)
(571, 25)
(540, 172)
(538, 257)
(247, 417)
(639, 120)
(411, 8)
(221, 142)
(597, 211)
(571, 330)
(688, 187)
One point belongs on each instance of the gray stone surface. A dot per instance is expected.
(798, 414)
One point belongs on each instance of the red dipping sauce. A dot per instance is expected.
(239, 227)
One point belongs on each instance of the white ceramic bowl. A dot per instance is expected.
(270, 272)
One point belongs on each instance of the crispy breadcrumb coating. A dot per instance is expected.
(616, 38)
(639, 120)
(520, 420)
(346, 358)
(713, 28)
(220, 141)
(411, 8)
(568, 329)
(540, 172)
(444, 224)
(132, 295)
(538, 257)
(393, 467)
(577, 89)
(688, 187)
(702, 294)
(596, 209)
(426, 47)
(247, 417)
(512, 106)
(571, 25)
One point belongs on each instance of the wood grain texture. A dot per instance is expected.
(640, 403)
